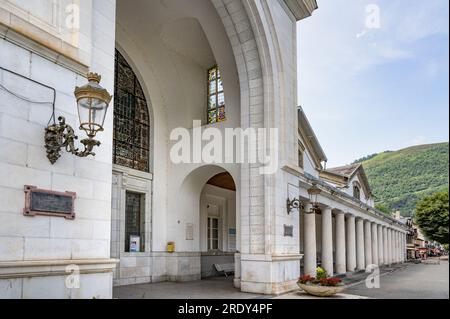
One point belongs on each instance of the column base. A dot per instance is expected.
(269, 274)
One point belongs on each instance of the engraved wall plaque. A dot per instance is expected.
(49, 203)
(288, 231)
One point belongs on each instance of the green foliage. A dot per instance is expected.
(400, 179)
(321, 273)
(383, 208)
(366, 158)
(432, 217)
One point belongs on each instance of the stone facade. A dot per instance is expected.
(36, 252)
(254, 43)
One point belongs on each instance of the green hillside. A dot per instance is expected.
(399, 179)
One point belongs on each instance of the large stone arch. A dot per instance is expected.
(247, 32)
(247, 50)
(255, 46)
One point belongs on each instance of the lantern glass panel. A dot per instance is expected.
(92, 114)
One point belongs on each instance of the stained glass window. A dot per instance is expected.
(131, 119)
(216, 97)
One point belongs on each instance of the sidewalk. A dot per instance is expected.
(222, 288)
(349, 280)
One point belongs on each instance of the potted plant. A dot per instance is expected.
(322, 285)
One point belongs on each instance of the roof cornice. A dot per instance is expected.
(334, 178)
(301, 9)
(308, 136)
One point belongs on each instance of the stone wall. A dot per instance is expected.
(34, 251)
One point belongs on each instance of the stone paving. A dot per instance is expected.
(215, 288)
(406, 281)
(416, 281)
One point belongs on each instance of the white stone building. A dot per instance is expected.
(225, 63)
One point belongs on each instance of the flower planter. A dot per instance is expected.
(321, 291)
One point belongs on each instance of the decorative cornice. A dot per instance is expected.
(46, 268)
(301, 9)
(27, 36)
(338, 194)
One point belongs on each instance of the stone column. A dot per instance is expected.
(351, 243)
(402, 247)
(405, 247)
(397, 249)
(402, 253)
(327, 240)
(340, 244)
(391, 246)
(310, 248)
(360, 256)
(368, 242)
(388, 245)
(375, 244)
(385, 246)
(380, 245)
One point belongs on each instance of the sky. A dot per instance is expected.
(374, 75)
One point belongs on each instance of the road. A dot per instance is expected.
(422, 281)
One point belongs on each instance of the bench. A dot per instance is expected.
(226, 269)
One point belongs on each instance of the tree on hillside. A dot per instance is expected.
(432, 217)
(384, 209)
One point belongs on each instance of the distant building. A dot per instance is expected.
(416, 243)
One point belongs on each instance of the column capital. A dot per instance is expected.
(350, 215)
(328, 208)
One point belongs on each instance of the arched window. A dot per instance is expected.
(216, 97)
(131, 119)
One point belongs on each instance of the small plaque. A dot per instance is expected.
(49, 203)
(189, 231)
(288, 231)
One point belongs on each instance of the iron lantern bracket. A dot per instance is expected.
(294, 204)
(62, 136)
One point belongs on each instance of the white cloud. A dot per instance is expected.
(391, 53)
(418, 19)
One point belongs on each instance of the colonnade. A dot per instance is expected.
(354, 243)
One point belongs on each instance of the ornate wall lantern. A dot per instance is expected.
(314, 193)
(92, 101)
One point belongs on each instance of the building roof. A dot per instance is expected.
(309, 137)
(347, 170)
(344, 174)
(340, 193)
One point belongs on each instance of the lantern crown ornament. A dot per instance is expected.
(92, 102)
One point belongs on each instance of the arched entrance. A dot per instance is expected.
(218, 227)
(207, 231)
(173, 44)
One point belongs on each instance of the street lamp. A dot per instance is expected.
(92, 103)
(314, 193)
